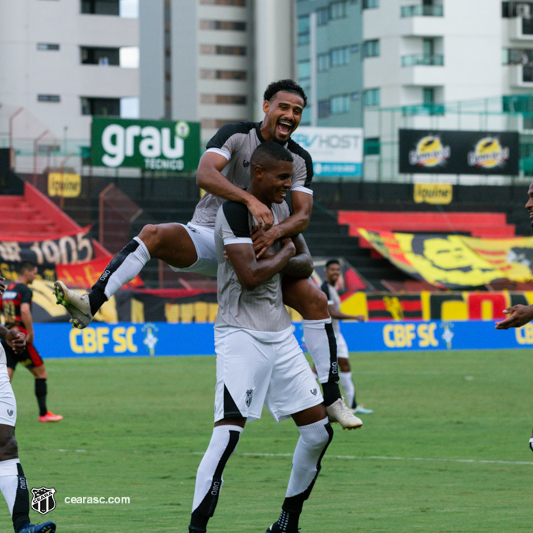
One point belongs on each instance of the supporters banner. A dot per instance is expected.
(146, 144)
(453, 261)
(161, 339)
(459, 152)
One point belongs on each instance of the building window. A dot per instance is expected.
(372, 146)
(231, 99)
(324, 108)
(337, 10)
(428, 95)
(370, 4)
(303, 30)
(48, 98)
(340, 104)
(223, 2)
(227, 25)
(340, 56)
(212, 74)
(47, 46)
(100, 56)
(371, 48)
(105, 107)
(372, 97)
(100, 7)
(213, 49)
(322, 16)
(304, 70)
(323, 62)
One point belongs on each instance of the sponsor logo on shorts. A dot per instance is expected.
(314, 392)
(10, 412)
(249, 394)
(43, 500)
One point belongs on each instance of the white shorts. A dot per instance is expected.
(204, 242)
(256, 368)
(8, 404)
(342, 347)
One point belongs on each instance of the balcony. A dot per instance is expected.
(521, 29)
(521, 76)
(435, 60)
(422, 11)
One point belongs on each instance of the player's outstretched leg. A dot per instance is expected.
(169, 242)
(312, 445)
(306, 298)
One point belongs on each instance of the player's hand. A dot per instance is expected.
(3, 287)
(360, 318)
(518, 316)
(260, 212)
(263, 240)
(17, 340)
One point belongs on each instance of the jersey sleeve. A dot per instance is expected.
(303, 169)
(226, 139)
(236, 230)
(25, 295)
(325, 289)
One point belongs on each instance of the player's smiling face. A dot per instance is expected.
(333, 273)
(275, 182)
(282, 116)
(529, 205)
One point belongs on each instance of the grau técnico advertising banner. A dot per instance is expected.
(459, 152)
(146, 144)
(335, 151)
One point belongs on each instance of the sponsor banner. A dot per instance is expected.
(58, 341)
(335, 151)
(147, 144)
(62, 184)
(459, 152)
(453, 261)
(433, 193)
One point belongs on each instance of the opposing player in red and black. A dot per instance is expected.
(16, 306)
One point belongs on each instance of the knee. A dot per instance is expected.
(8, 447)
(150, 235)
(319, 302)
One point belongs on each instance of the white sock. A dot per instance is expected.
(209, 476)
(348, 386)
(9, 481)
(322, 346)
(128, 269)
(313, 441)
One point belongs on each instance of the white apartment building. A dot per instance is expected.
(210, 60)
(62, 61)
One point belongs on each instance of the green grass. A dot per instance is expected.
(446, 449)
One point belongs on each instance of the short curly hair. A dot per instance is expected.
(289, 86)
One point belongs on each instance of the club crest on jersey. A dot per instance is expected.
(248, 400)
(43, 500)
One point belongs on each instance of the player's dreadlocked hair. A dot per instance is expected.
(289, 86)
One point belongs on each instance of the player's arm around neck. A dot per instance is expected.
(251, 272)
(210, 178)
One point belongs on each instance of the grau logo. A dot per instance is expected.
(43, 500)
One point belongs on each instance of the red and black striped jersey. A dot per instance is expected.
(10, 302)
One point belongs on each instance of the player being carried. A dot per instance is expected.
(259, 360)
(224, 173)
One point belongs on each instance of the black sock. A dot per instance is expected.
(287, 521)
(21, 508)
(40, 392)
(97, 298)
(331, 392)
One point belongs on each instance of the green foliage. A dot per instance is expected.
(445, 450)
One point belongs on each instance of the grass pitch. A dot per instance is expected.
(446, 449)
